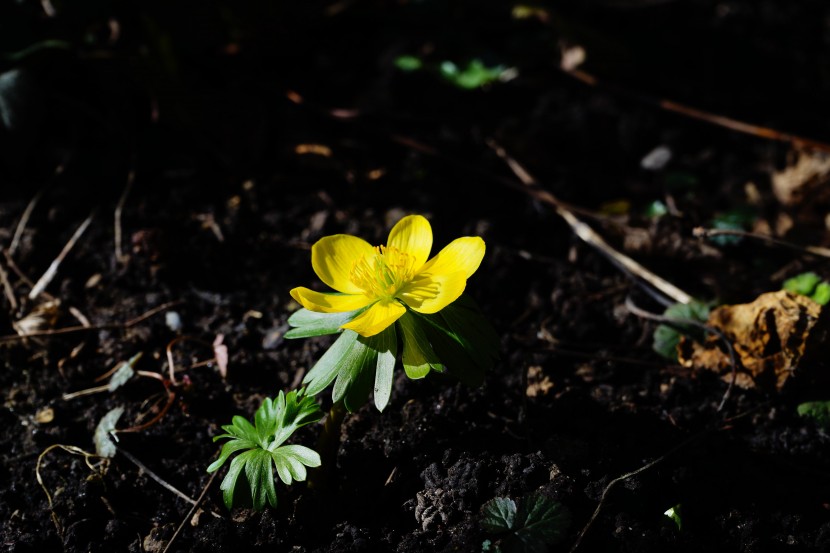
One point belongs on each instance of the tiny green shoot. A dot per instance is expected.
(816, 410)
(674, 514)
(260, 449)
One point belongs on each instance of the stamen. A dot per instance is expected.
(382, 274)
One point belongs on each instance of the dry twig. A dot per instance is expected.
(587, 234)
(81, 328)
(190, 512)
(24, 220)
(50, 273)
(811, 250)
(694, 113)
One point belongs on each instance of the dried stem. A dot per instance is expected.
(81, 328)
(50, 273)
(120, 257)
(811, 250)
(587, 234)
(705, 116)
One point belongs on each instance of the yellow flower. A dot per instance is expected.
(388, 278)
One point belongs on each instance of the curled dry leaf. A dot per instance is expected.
(777, 336)
(42, 317)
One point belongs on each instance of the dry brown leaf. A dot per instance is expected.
(810, 171)
(775, 337)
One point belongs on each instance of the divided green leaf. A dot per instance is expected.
(261, 449)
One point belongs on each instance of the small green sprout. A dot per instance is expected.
(390, 294)
(530, 527)
(474, 75)
(809, 284)
(674, 513)
(816, 410)
(262, 450)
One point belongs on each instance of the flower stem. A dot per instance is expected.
(327, 445)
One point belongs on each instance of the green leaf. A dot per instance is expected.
(123, 373)
(537, 523)
(259, 474)
(473, 331)
(740, 218)
(325, 370)
(674, 514)
(803, 284)
(656, 209)
(356, 374)
(387, 347)
(474, 75)
(418, 356)
(291, 462)
(408, 63)
(817, 410)
(666, 337)
(310, 323)
(821, 295)
(543, 519)
(498, 515)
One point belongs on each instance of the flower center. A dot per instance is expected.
(382, 274)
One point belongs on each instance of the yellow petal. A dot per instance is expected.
(328, 303)
(462, 255)
(412, 235)
(377, 318)
(432, 293)
(334, 256)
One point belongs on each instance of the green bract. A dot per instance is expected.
(262, 449)
(457, 339)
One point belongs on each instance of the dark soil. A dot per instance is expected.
(200, 102)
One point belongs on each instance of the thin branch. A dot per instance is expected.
(811, 250)
(624, 477)
(587, 234)
(190, 512)
(164, 484)
(24, 220)
(50, 273)
(701, 115)
(8, 289)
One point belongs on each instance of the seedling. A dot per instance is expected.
(810, 285)
(262, 449)
(530, 527)
(390, 294)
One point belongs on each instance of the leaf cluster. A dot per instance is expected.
(260, 448)
(457, 340)
(809, 284)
